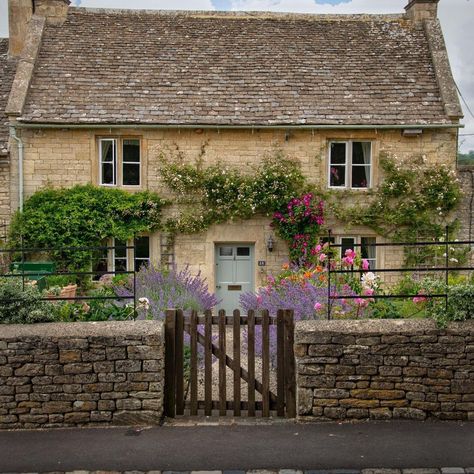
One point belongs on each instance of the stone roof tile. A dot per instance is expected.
(107, 66)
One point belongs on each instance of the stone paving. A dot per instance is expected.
(443, 470)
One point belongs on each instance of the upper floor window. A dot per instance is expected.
(119, 162)
(350, 165)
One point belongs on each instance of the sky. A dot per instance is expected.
(456, 16)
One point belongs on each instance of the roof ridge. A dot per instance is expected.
(246, 14)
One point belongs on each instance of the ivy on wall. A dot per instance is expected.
(414, 203)
(83, 216)
(218, 193)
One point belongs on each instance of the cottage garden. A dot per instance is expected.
(413, 203)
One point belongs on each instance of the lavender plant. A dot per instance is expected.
(164, 289)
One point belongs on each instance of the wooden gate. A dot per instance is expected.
(184, 395)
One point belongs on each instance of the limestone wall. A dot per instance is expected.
(385, 369)
(76, 374)
(58, 157)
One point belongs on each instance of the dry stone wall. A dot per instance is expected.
(384, 370)
(57, 375)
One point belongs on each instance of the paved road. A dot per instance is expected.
(185, 448)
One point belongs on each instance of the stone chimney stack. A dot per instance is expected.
(419, 10)
(20, 13)
(55, 11)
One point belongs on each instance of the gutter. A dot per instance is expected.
(20, 166)
(234, 127)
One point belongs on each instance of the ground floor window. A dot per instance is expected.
(366, 246)
(117, 256)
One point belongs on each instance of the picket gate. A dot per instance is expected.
(184, 396)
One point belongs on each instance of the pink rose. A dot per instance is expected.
(318, 306)
(365, 264)
(322, 257)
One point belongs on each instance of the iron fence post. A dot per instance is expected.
(329, 275)
(134, 276)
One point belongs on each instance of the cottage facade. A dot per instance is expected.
(98, 95)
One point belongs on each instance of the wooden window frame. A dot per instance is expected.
(118, 141)
(348, 165)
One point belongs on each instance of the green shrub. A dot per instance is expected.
(385, 309)
(23, 306)
(83, 216)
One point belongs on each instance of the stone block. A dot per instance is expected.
(372, 394)
(409, 413)
(358, 403)
(77, 418)
(305, 401)
(128, 365)
(78, 368)
(67, 356)
(30, 370)
(330, 393)
(57, 407)
(129, 404)
(380, 414)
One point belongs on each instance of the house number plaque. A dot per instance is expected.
(262, 263)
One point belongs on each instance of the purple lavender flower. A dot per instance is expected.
(166, 289)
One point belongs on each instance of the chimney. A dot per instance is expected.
(55, 11)
(19, 14)
(419, 10)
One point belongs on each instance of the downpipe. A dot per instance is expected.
(20, 166)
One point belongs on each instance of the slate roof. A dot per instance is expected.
(7, 73)
(122, 66)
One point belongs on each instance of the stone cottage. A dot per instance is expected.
(97, 94)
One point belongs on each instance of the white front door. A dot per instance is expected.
(234, 274)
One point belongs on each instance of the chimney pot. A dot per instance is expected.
(419, 10)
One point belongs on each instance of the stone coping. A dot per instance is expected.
(305, 330)
(86, 329)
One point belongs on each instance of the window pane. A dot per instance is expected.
(100, 261)
(361, 153)
(347, 243)
(120, 256)
(338, 153)
(338, 176)
(107, 152)
(120, 249)
(142, 249)
(360, 176)
(120, 264)
(108, 173)
(225, 251)
(243, 252)
(131, 174)
(131, 151)
(108, 161)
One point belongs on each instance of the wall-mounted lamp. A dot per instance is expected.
(270, 244)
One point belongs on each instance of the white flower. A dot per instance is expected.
(144, 303)
(454, 260)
